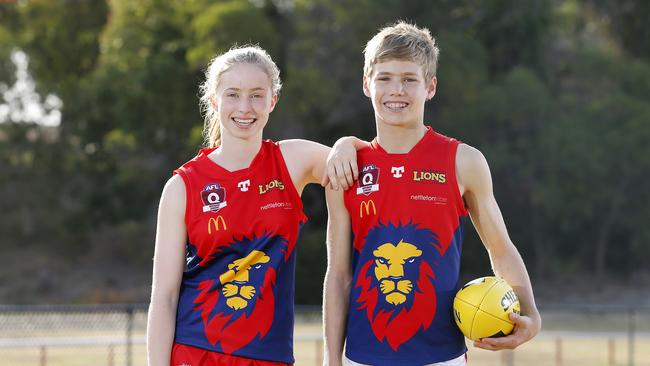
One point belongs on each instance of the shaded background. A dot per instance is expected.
(99, 104)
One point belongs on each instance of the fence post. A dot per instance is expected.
(508, 357)
(129, 334)
(319, 352)
(612, 352)
(111, 355)
(630, 337)
(43, 356)
(558, 351)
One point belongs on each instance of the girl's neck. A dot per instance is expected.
(235, 154)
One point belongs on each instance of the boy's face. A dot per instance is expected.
(398, 92)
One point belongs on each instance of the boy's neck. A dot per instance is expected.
(399, 139)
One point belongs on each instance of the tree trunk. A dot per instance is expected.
(606, 228)
(538, 241)
(26, 221)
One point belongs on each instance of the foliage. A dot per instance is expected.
(554, 93)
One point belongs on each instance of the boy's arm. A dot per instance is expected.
(475, 183)
(342, 169)
(307, 161)
(168, 265)
(337, 278)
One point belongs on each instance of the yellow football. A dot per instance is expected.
(482, 306)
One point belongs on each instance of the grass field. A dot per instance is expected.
(545, 350)
(567, 339)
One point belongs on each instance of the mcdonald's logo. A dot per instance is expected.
(218, 223)
(366, 206)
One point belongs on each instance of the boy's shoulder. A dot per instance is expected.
(442, 137)
(468, 153)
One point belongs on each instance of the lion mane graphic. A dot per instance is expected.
(237, 302)
(395, 282)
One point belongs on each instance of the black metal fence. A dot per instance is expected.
(589, 334)
(114, 335)
(609, 321)
(73, 334)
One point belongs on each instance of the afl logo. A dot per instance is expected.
(369, 181)
(213, 197)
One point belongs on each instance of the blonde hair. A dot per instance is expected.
(404, 42)
(249, 54)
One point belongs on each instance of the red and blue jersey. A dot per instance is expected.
(407, 221)
(237, 291)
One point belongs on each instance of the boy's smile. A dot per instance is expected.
(398, 92)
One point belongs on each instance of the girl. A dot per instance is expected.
(228, 220)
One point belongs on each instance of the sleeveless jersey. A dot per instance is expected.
(237, 290)
(407, 221)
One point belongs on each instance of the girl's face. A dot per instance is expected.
(244, 100)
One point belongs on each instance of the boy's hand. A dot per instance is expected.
(526, 327)
(342, 168)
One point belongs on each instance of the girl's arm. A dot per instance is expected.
(168, 265)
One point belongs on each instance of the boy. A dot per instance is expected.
(389, 297)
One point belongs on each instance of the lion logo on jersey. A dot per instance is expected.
(395, 282)
(236, 286)
(389, 269)
(239, 297)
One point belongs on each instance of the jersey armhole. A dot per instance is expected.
(294, 192)
(188, 189)
(452, 163)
